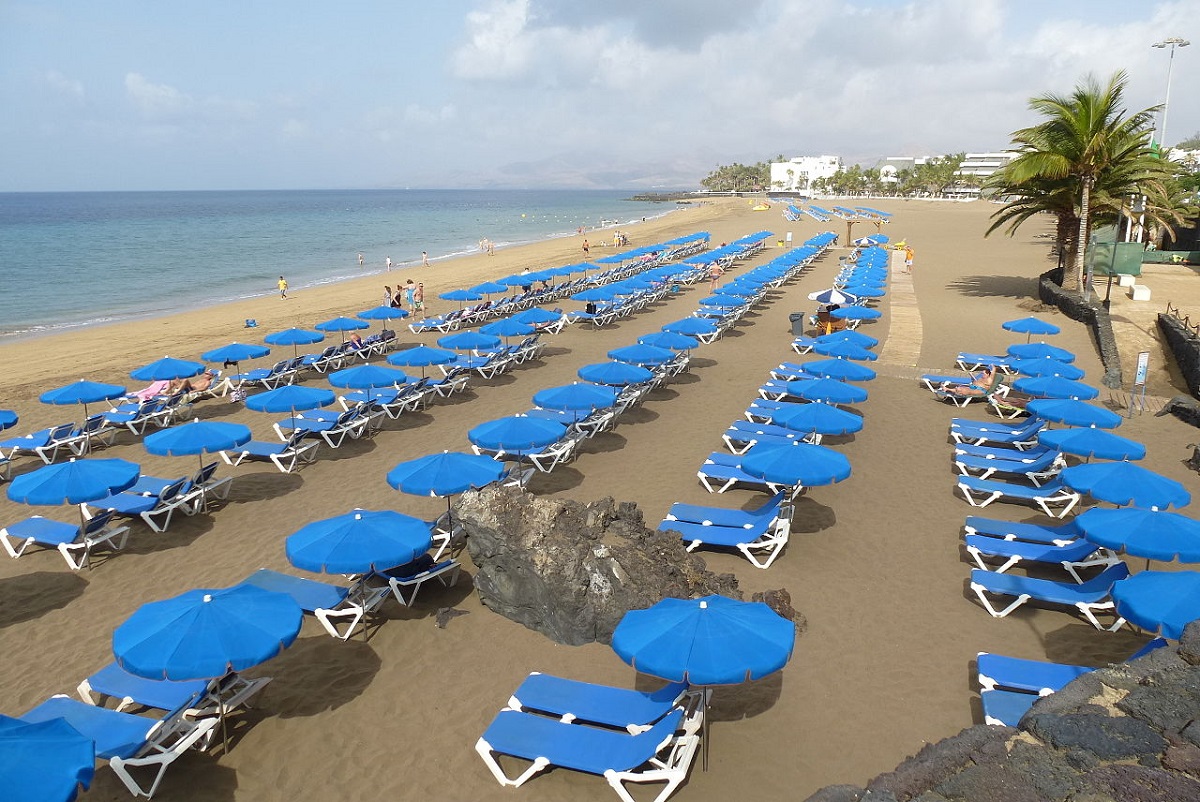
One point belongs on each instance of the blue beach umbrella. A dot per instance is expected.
(444, 475)
(1073, 413)
(841, 369)
(235, 353)
(1126, 483)
(1040, 351)
(490, 287)
(167, 369)
(1153, 534)
(1055, 387)
(516, 434)
(290, 398)
(383, 313)
(515, 280)
(359, 542)
(206, 633)
(537, 316)
(80, 392)
(1030, 326)
(44, 761)
(8, 418)
(691, 326)
(855, 313)
(723, 301)
(826, 391)
(197, 437)
(844, 350)
(1159, 601)
(294, 337)
(614, 373)
(1090, 442)
(819, 419)
(576, 397)
(799, 464)
(422, 356)
(507, 327)
(468, 341)
(74, 482)
(1047, 367)
(368, 377)
(460, 296)
(669, 339)
(596, 294)
(341, 325)
(849, 336)
(864, 291)
(641, 355)
(712, 640)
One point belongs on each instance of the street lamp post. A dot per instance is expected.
(1171, 42)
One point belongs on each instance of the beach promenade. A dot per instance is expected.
(874, 563)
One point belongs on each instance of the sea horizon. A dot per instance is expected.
(113, 255)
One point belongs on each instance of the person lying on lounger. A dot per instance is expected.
(981, 384)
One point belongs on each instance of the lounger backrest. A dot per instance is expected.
(97, 522)
(294, 439)
(61, 432)
(172, 490)
(204, 475)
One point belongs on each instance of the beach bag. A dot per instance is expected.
(237, 395)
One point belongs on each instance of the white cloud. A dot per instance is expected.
(155, 100)
(497, 46)
(294, 129)
(62, 83)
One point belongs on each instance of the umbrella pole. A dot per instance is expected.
(705, 692)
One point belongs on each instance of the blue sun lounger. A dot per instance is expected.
(575, 701)
(767, 538)
(1011, 685)
(720, 516)
(127, 741)
(155, 510)
(217, 697)
(1046, 466)
(286, 456)
(328, 603)
(1030, 454)
(405, 581)
(978, 433)
(73, 542)
(1089, 597)
(1060, 535)
(742, 435)
(1006, 708)
(1071, 556)
(660, 754)
(722, 471)
(982, 492)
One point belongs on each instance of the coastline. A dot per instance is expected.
(874, 563)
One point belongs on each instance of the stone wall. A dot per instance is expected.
(1094, 315)
(1128, 733)
(1185, 347)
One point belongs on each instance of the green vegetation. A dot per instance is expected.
(739, 177)
(931, 179)
(1085, 163)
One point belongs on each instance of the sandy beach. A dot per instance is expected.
(875, 563)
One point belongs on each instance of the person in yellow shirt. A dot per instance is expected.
(283, 285)
(908, 258)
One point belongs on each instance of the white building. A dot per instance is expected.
(798, 174)
(984, 164)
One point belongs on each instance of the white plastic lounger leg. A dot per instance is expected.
(981, 592)
(971, 499)
(671, 770)
(161, 756)
(486, 752)
(1089, 612)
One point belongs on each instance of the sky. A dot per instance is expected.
(622, 94)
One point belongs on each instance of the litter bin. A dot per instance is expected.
(797, 319)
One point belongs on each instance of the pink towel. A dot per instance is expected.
(151, 390)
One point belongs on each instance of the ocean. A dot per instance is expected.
(75, 259)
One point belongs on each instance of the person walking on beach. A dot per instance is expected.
(419, 298)
(410, 291)
(587, 249)
(388, 262)
(282, 287)
(360, 259)
(714, 275)
(424, 259)
(387, 295)
(908, 258)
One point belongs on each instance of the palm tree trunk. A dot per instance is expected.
(1074, 280)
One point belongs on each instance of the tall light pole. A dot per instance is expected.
(1172, 42)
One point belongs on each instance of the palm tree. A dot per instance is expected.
(1087, 151)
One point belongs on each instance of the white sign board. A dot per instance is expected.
(1143, 367)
